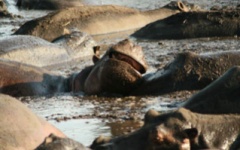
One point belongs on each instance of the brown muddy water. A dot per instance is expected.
(84, 118)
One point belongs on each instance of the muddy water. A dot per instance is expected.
(83, 118)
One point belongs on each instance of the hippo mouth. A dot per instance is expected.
(132, 62)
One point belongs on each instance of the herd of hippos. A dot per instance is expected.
(208, 120)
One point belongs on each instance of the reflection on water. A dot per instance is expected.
(83, 130)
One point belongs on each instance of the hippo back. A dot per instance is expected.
(20, 129)
(38, 52)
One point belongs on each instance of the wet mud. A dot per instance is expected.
(84, 118)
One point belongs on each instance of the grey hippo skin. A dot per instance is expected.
(53, 142)
(96, 20)
(193, 25)
(48, 4)
(33, 50)
(178, 130)
(19, 79)
(188, 71)
(20, 128)
(221, 96)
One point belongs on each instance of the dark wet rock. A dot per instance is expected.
(179, 130)
(96, 20)
(193, 25)
(48, 4)
(53, 142)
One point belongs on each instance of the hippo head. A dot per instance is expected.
(53, 142)
(130, 53)
(168, 131)
(118, 71)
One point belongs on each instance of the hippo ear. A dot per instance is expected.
(96, 56)
(191, 133)
(182, 7)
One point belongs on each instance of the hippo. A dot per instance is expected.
(53, 142)
(33, 80)
(188, 71)
(193, 25)
(48, 4)
(178, 130)
(118, 71)
(96, 20)
(20, 128)
(39, 52)
(18, 79)
(220, 97)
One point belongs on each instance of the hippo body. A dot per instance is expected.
(36, 51)
(193, 25)
(179, 130)
(48, 4)
(21, 129)
(19, 79)
(220, 97)
(96, 20)
(188, 71)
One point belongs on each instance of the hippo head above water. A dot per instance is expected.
(128, 52)
(118, 71)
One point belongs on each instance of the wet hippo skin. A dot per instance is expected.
(47, 4)
(193, 25)
(19, 79)
(188, 71)
(96, 20)
(20, 128)
(72, 46)
(118, 71)
(220, 97)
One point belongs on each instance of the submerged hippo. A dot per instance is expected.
(97, 20)
(193, 25)
(19, 79)
(36, 51)
(118, 71)
(188, 71)
(178, 130)
(20, 128)
(48, 4)
(220, 97)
